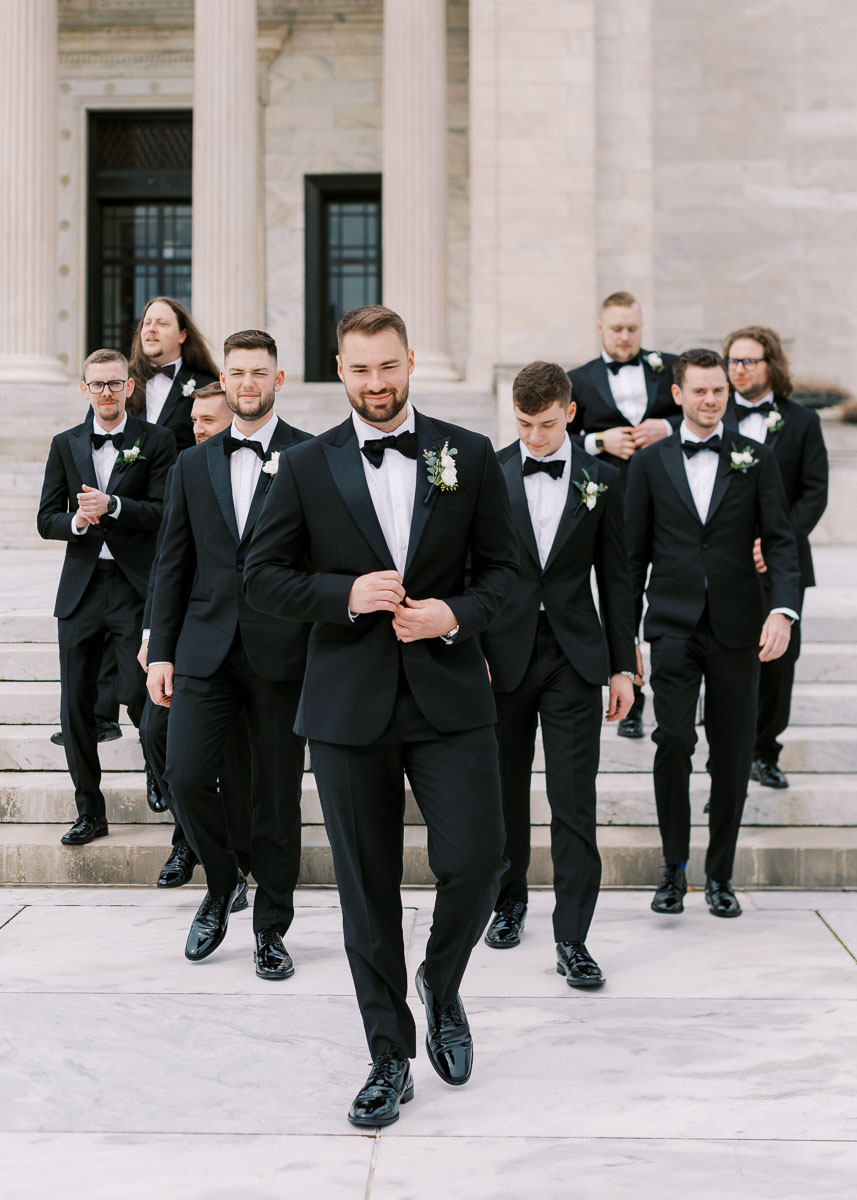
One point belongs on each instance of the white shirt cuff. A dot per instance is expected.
(147, 633)
(667, 426)
(352, 616)
(787, 612)
(77, 532)
(589, 443)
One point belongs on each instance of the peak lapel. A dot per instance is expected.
(602, 383)
(651, 383)
(575, 510)
(80, 444)
(346, 466)
(133, 433)
(280, 439)
(221, 481)
(721, 480)
(425, 493)
(673, 460)
(513, 471)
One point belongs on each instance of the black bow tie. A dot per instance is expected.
(231, 444)
(405, 443)
(98, 440)
(554, 468)
(745, 410)
(691, 448)
(615, 367)
(169, 371)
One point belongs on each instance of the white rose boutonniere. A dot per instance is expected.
(655, 362)
(742, 460)
(440, 465)
(128, 457)
(774, 421)
(189, 388)
(271, 466)
(589, 490)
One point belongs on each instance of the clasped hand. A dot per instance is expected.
(413, 620)
(91, 506)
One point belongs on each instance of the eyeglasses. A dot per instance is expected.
(746, 363)
(98, 385)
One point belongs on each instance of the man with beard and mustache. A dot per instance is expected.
(393, 534)
(212, 657)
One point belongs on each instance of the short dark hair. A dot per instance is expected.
(698, 357)
(775, 356)
(250, 339)
(103, 356)
(209, 391)
(538, 385)
(619, 300)
(370, 319)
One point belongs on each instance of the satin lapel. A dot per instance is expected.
(133, 432)
(221, 481)
(80, 444)
(651, 384)
(173, 396)
(346, 467)
(425, 494)
(513, 471)
(602, 383)
(721, 480)
(574, 512)
(730, 417)
(281, 437)
(673, 460)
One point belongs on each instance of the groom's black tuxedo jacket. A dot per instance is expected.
(175, 415)
(584, 539)
(198, 600)
(798, 446)
(693, 561)
(140, 486)
(596, 408)
(461, 550)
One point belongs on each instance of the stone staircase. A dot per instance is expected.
(803, 837)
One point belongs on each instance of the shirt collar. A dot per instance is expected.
(561, 455)
(608, 359)
(687, 436)
(751, 404)
(97, 427)
(367, 432)
(262, 435)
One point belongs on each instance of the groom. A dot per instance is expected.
(406, 526)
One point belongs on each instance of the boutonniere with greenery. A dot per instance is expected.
(271, 466)
(655, 362)
(128, 457)
(440, 465)
(189, 388)
(742, 460)
(589, 490)
(774, 420)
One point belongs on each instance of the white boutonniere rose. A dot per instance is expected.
(742, 460)
(589, 490)
(440, 465)
(271, 466)
(774, 420)
(189, 388)
(655, 362)
(128, 457)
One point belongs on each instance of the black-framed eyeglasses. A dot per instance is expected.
(97, 386)
(746, 363)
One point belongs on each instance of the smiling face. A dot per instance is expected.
(621, 331)
(702, 398)
(160, 334)
(251, 380)
(544, 432)
(376, 369)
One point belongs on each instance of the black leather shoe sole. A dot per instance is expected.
(109, 733)
(373, 1122)
(263, 974)
(593, 982)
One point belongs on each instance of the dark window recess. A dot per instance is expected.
(343, 260)
(139, 224)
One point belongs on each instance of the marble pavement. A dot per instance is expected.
(719, 1059)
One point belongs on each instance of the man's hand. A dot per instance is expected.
(619, 441)
(92, 503)
(648, 432)
(159, 683)
(381, 591)
(418, 619)
(143, 655)
(621, 697)
(775, 637)
(758, 561)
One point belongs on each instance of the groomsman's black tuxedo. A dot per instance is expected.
(228, 658)
(596, 408)
(96, 596)
(798, 446)
(372, 706)
(549, 666)
(706, 611)
(175, 415)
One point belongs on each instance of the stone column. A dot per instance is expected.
(28, 184)
(414, 163)
(227, 274)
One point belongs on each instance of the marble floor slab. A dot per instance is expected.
(843, 923)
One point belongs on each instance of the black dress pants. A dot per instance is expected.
(455, 780)
(109, 605)
(569, 709)
(203, 716)
(731, 684)
(776, 680)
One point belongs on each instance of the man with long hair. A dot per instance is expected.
(170, 361)
(761, 408)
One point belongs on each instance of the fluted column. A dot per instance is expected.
(414, 200)
(227, 282)
(28, 192)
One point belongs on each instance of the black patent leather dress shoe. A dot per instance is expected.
(448, 1041)
(178, 869)
(209, 925)
(271, 957)
(768, 774)
(154, 799)
(507, 925)
(578, 966)
(721, 900)
(630, 726)
(85, 829)
(389, 1085)
(107, 731)
(669, 898)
